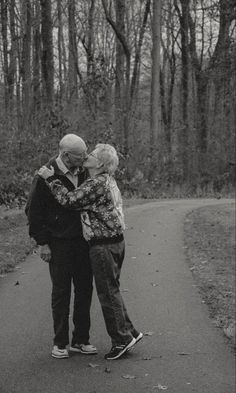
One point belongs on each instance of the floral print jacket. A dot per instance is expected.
(100, 203)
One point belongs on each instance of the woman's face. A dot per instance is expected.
(92, 161)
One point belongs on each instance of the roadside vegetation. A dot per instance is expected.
(210, 249)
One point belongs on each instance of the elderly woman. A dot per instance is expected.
(100, 203)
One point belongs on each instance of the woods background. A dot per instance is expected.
(156, 79)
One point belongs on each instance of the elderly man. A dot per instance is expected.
(58, 232)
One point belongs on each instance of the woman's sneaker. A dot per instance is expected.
(118, 350)
(138, 337)
(59, 352)
(86, 349)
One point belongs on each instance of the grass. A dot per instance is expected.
(14, 240)
(210, 249)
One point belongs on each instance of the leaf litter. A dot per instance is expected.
(127, 376)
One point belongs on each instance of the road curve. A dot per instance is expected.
(182, 351)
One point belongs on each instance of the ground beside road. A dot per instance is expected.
(210, 249)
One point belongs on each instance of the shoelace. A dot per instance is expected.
(118, 347)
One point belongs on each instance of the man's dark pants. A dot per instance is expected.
(70, 263)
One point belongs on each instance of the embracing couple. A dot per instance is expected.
(75, 215)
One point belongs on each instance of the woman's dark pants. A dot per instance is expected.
(107, 260)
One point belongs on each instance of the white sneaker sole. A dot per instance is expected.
(60, 356)
(72, 349)
(137, 339)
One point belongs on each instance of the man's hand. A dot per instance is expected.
(45, 253)
(45, 172)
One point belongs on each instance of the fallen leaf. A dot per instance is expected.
(93, 365)
(183, 353)
(148, 333)
(127, 376)
(133, 257)
(147, 358)
(125, 290)
(154, 284)
(160, 387)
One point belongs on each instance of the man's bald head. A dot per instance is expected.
(72, 143)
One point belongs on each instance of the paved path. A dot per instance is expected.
(181, 352)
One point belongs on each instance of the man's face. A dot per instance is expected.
(74, 159)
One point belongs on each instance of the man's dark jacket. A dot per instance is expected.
(46, 217)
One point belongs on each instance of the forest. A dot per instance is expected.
(156, 79)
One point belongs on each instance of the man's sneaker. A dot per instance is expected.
(59, 353)
(86, 349)
(118, 350)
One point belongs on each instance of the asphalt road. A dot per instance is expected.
(182, 351)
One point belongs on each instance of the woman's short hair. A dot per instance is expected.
(107, 154)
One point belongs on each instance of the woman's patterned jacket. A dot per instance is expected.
(100, 203)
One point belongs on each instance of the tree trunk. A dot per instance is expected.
(59, 45)
(184, 25)
(73, 54)
(36, 58)
(4, 20)
(90, 47)
(119, 73)
(136, 69)
(13, 52)
(47, 53)
(155, 126)
(26, 62)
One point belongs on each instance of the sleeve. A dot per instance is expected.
(81, 198)
(37, 213)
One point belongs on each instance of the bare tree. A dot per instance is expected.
(4, 20)
(155, 126)
(183, 14)
(25, 70)
(73, 53)
(47, 52)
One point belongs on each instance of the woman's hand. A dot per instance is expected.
(45, 172)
